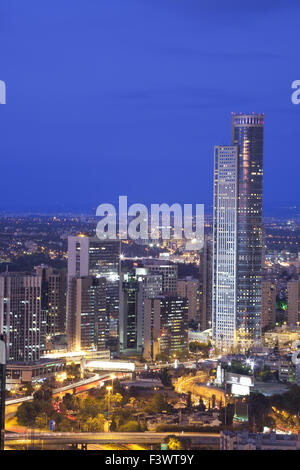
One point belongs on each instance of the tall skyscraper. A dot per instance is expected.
(189, 288)
(174, 325)
(87, 314)
(21, 317)
(90, 256)
(238, 183)
(166, 326)
(225, 245)
(247, 133)
(152, 286)
(135, 289)
(168, 271)
(131, 313)
(205, 287)
(2, 389)
(293, 311)
(53, 298)
(268, 305)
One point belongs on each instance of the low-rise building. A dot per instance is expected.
(18, 373)
(258, 441)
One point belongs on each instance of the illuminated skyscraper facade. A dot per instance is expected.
(21, 317)
(87, 314)
(90, 256)
(131, 313)
(247, 133)
(53, 298)
(237, 257)
(225, 245)
(136, 287)
(205, 287)
(166, 326)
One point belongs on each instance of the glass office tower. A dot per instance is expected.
(131, 313)
(90, 256)
(247, 133)
(237, 253)
(225, 246)
(21, 316)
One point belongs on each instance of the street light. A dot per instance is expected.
(112, 382)
(109, 389)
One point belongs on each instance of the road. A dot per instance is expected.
(61, 390)
(171, 365)
(107, 438)
(198, 389)
(11, 405)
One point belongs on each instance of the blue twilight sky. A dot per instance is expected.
(109, 97)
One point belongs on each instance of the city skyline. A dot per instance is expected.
(149, 227)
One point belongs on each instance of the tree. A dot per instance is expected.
(291, 400)
(73, 372)
(238, 367)
(70, 402)
(130, 426)
(28, 389)
(158, 403)
(189, 401)
(117, 398)
(165, 377)
(201, 348)
(94, 424)
(175, 443)
(201, 405)
(132, 401)
(258, 409)
(89, 407)
(27, 413)
(44, 393)
(229, 410)
(41, 421)
(162, 357)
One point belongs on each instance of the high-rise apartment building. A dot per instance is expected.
(237, 258)
(152, 286)
(152, 328)
(189, 288)
(152, 283)
(268, 305)
(131, 313)
(168, 271)
(87, 313)
(166, 326)
(293, 310)
(90, 256)
(53, 298)
(21, 317)
(205, 288)
(135, 289)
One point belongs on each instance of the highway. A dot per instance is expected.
(11, 405)
(60, 390)
(107, 438)
(198, 388)
(171, 365)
